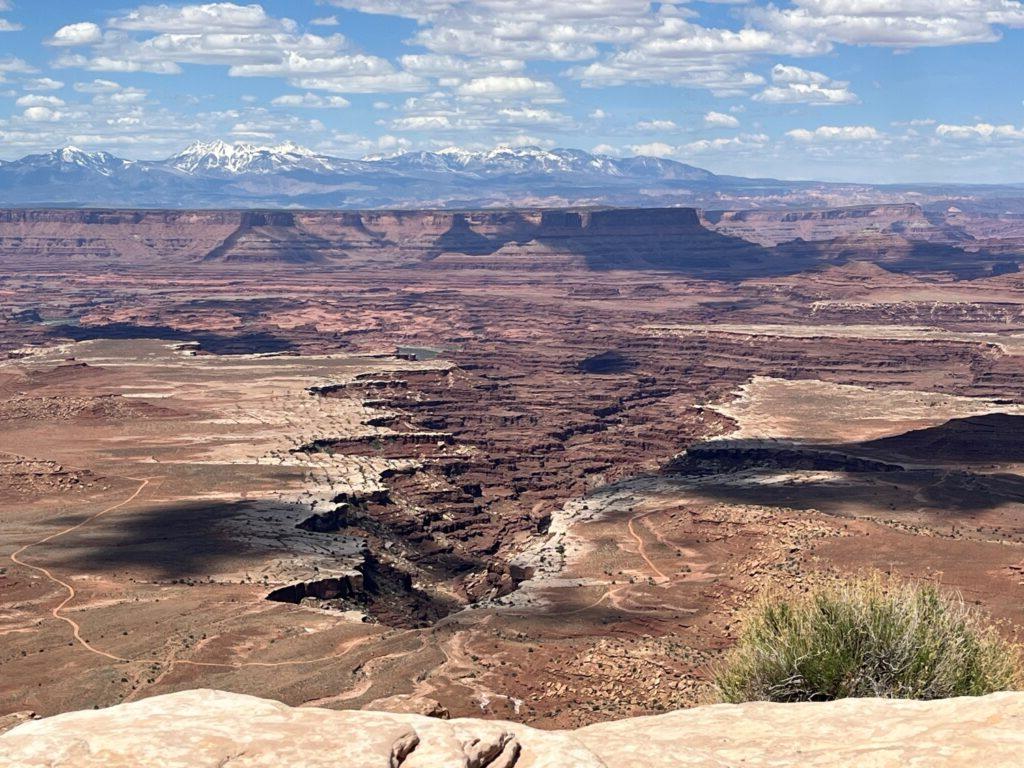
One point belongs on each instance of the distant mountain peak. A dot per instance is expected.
(240, 157)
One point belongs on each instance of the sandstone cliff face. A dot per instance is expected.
(721, 245)
(195, 729)
(771, 227)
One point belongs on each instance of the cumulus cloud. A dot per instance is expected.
(43, 84)
(893, 23)
(160, 38)
(731, 144)
(655, 125)
(653, 149)
(200, 19)
(38, 100)
(82, 33)
(311, 101)
(41, 115)
(14, 65)
(979, 131)
(98, 86)
(422, 123)
(501, 87)
(442, 111)
(454, 70)
(782, 73)
(826, 133)
(5, 25)
(720, 120)
(793, 85)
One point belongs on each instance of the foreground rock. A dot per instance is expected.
(200, 728)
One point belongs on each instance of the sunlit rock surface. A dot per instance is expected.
(193, 729)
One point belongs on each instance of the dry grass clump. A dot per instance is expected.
(870, 637)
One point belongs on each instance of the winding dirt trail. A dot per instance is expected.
(641, 547)
(56, 611)
(76, 628)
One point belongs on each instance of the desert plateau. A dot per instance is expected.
(525, 465)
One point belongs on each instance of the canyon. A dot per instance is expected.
(524, 465)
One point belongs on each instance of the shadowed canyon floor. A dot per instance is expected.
(402, 482)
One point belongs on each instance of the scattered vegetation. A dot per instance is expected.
(872, 636)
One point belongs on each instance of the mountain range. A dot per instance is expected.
(216, 174)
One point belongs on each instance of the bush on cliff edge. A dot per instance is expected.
(869, 637)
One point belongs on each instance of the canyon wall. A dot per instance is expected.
(712, 244)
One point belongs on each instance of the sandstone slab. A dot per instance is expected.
(199, 728)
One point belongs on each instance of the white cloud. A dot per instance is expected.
(532, 116)
(43, 84)
(340, 73)
(387, 82)
(160, 38)
(201, 19)
(720, 120)
(718, 74)
(114, 64)
(654, 149)
(731, 144)
(455, 69)
(835, 133)
(979, 131)
(422, 123)
(98, 86)
(311, 101)
(500, 87)
(122, 96)
(41, 115)
(441, 111)
(655, 125)
(5, 25)
(38, 100)
(893, 23)
(794, 85)
(82, 33)
(782, 73)
(13, 65)
(807, 93)
(325, 21)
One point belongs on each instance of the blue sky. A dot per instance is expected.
(857, 90)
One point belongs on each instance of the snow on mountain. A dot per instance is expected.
(73, 159)
(219, 157)
(221, 174)
(523, 161)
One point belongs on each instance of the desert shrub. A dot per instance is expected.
(873, 636)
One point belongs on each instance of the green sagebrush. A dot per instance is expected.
(870, 637)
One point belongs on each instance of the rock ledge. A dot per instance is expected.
(195, 729)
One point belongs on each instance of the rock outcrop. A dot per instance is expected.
(194, 729)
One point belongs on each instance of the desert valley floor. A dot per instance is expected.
(522, 465)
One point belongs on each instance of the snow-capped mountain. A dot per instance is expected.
(522, 161)
(71, 160)
(217, 174)
(219, 157)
